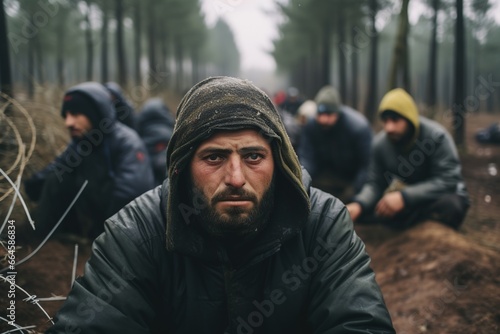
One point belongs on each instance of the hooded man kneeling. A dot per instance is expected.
(234, 241)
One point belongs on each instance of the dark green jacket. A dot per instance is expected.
(314, 280)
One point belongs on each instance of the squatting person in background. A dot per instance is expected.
(106, 153)
(234, 241)
(335, 146)
(415, 171)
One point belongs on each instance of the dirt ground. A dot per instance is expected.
(434, 279)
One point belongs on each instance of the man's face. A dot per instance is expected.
(233, 172)
(77, 124)
(327, 120)
(396, 128)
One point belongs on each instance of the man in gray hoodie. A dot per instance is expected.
(415, 171)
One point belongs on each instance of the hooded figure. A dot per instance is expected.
(105, 153)
(155, 125)
(124, 110)
(304, 271)
(415, 171)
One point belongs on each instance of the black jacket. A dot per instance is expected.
(304, 284)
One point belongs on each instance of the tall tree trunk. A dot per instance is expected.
(60, 68)
(31, 69)
(460, 70)
(137, 42)
(61, 27)
(5, 73)
(39, 61)
(399, 66)
(120, 46)
(152, 39)
(104, 44)
(371, 99)
(179, 52)
(326, 53)
(342, 61)
(310, 82)
(431, 87)
(195, 66)
(354, 72)
(90, 45)
(164, 52)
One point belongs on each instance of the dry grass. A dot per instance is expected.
(31, 135)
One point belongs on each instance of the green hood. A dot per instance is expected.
(225, 103)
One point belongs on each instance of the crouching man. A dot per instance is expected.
(415, 171)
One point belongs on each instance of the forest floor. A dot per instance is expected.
(434, 279)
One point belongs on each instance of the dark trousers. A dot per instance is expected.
(449, 209)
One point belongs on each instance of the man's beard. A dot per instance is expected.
(404, 139)
(235, 222)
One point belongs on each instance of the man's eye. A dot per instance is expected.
(254, 156)
(213, 157)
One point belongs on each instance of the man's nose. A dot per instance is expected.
(69, 120)
(389, 125)
(235, 176)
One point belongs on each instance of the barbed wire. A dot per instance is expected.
(31, 298)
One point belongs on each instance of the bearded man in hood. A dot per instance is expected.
(414, 173)
(234, 241)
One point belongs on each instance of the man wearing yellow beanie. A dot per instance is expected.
(415, 172)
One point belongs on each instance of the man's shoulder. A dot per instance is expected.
(126, 137)
(143, 218)
(355, 119)
(429, 126)
(324, 206)
(328, 220)
(434, 131)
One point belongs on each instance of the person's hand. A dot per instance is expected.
(354, 210)
(390, 204)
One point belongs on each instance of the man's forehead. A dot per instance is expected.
(243, 136)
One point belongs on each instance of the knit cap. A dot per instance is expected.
(328, 100)
(79, 103)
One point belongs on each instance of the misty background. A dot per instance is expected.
(441, 51)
